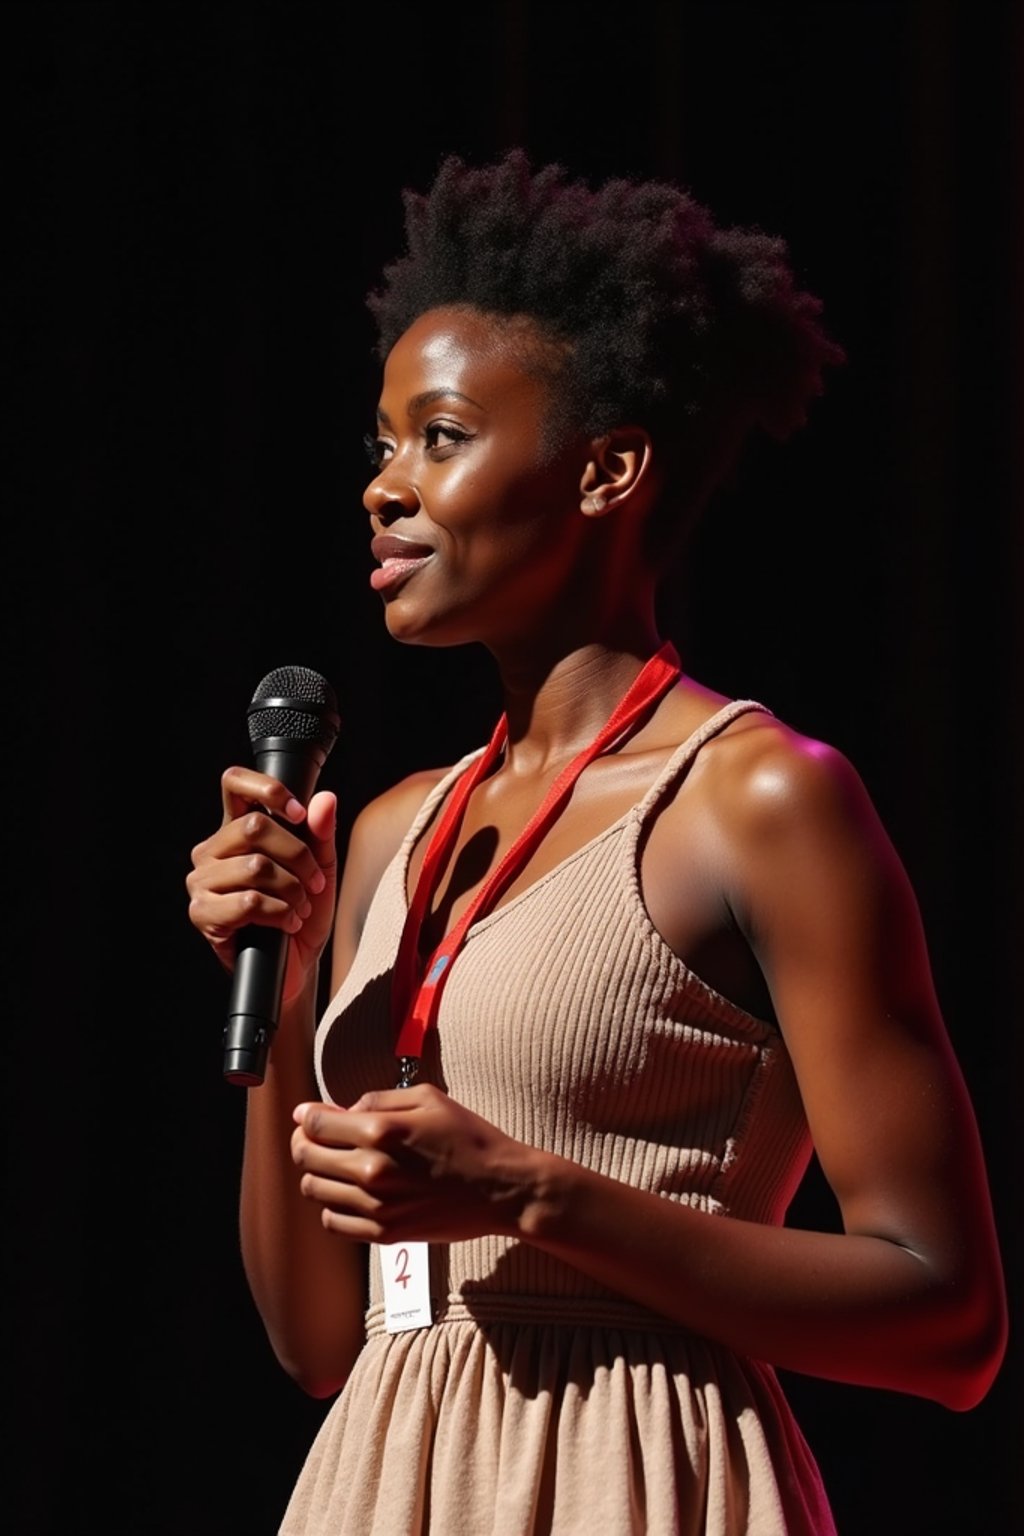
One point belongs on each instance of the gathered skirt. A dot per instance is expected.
(521, 1426)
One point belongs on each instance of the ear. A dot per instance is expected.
(619, 464)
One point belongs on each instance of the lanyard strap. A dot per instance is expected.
(657, 676)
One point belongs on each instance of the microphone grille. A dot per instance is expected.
(294, 703)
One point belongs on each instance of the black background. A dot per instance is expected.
(196, 200)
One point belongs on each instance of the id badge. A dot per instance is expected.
(405, 1270)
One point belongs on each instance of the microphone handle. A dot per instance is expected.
(256, 987)
(261, 958)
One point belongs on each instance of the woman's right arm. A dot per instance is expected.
(308, 1287)
(308, 1283)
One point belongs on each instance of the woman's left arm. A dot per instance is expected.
(910, 1295)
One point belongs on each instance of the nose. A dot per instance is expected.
(388, 497)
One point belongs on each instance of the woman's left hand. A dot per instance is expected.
(410, 1165)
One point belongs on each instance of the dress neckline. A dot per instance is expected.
(434, 800)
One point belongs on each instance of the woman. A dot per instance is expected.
(599, 987)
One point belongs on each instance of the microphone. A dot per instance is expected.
(293, 724)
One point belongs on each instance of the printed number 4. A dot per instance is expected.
(402, 1275)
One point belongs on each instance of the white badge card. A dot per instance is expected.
(405, 1269)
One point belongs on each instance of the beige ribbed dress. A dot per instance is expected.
(539, 1402)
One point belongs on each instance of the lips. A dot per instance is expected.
(389, 546)
(400, 559)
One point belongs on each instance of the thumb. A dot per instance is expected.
(321, 825)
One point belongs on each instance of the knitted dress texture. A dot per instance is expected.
(539, 1403)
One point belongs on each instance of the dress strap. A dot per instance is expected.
(685, 753)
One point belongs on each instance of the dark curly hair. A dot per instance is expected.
(664, 319)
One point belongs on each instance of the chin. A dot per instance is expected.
(412, 625)
(409, 631)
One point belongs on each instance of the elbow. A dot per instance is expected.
(317, 1369)
(963, 1390)
(318, 1386)
(968, 1354)
(980, 1364)
(310, 1376)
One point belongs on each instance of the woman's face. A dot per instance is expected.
(476, 521)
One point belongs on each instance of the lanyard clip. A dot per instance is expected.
(408, 1068)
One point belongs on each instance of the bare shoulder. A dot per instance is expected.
(766, 779)
(375, 838)
(806, 864)
(380, 826)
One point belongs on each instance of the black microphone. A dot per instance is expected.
(293, 724)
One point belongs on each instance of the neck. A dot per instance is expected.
(556, 702)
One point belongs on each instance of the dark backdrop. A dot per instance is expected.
(196, 199)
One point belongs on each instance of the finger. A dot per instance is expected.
(346, 1199)
(360, 1215)
(228, 893)
(256, 834)
(354, 1229)
(307, 1114)
(256, 874)
(333, 1174)
(396, 1100)
(219, 916)
(244, 787)
(348, 1178)
(335, 1128)
(389, 1223)
(330, 1126)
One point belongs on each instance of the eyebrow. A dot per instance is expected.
(428, 397)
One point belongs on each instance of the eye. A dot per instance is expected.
(443, 439)
(377, 450)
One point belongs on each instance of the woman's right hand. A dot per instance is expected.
(255, 869)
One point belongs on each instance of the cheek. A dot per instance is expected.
(503, 502)
(462, 495)
(481, 518)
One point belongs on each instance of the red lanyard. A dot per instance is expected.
(656, 678)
